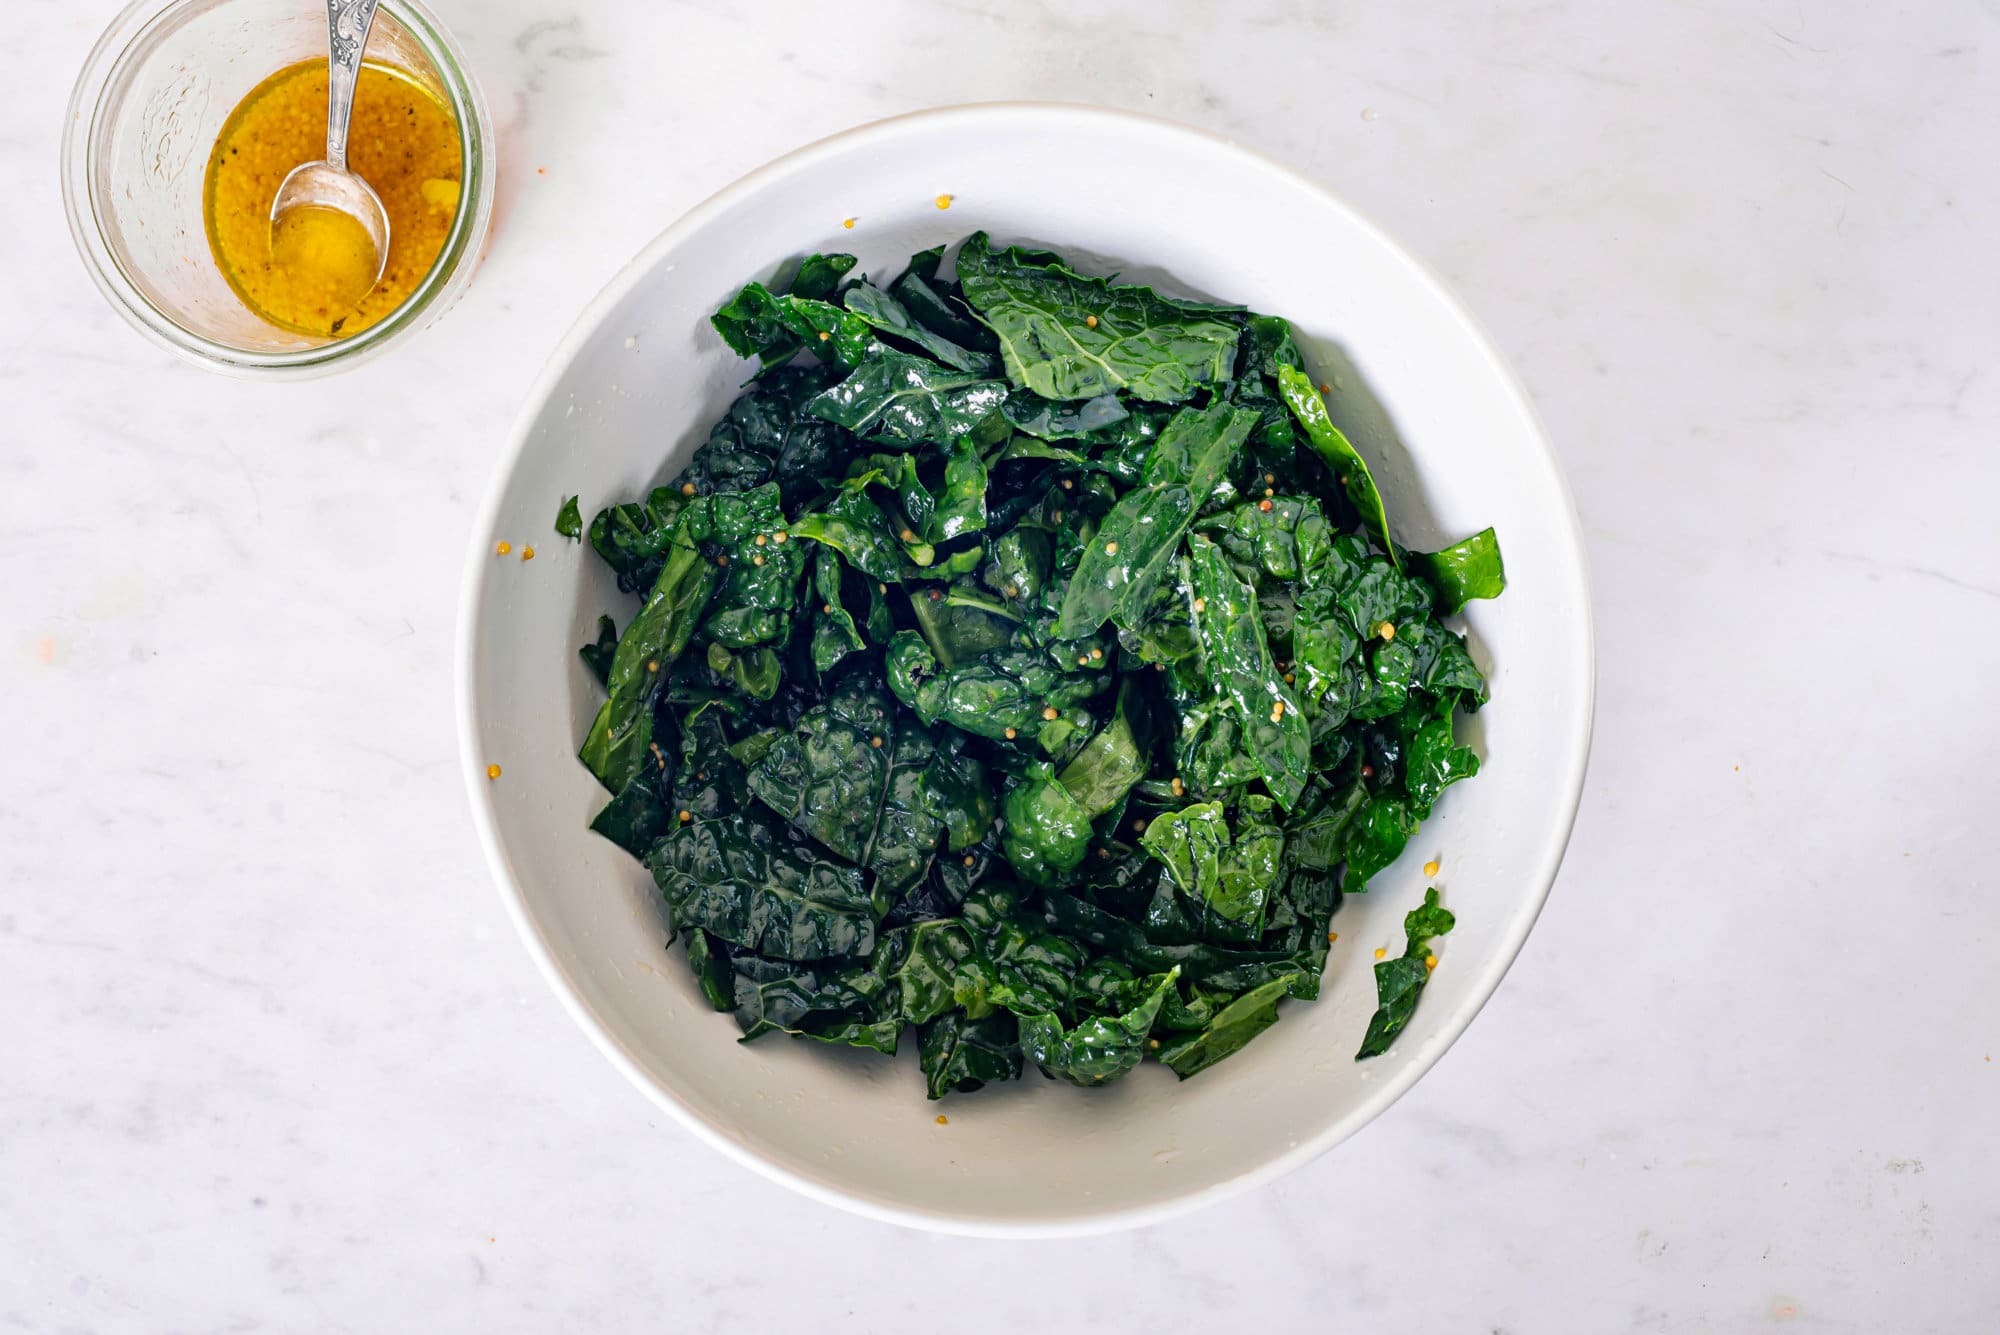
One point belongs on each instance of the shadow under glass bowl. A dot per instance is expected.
(147, 108)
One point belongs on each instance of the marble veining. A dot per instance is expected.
(273, 1060)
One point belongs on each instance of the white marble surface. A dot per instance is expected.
(271, 1058)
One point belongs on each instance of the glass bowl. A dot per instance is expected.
(147, 108)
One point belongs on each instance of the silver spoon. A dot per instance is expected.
(328, 183)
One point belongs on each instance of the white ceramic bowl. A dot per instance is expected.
(633, 388)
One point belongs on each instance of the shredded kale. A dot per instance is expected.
(1024, 658)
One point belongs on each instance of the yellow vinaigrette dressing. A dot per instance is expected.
(312, 276)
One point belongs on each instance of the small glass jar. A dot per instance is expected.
(147, 108)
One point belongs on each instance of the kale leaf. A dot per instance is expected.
(1238, 660)
(1064, 336)
(1136, 544)
(569, 520)
(850, 775)
(1099, 1048)
(960, 1055)
(900, 398)
(889, 316)
(758, 886)
(1350, 470)
(1468, 569)
(1233, 1026)
(1400, 981)
(759, 323)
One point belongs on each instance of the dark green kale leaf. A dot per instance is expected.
(1376, 837)
(1033, 970)
(896, 397)
(597, 655)
(616, 745)
(1005, 694)
(1435, 762)
(1020, 448)
(1047, 831)
(939, 307)
(753, 605)
(1065, 336)
(1221, 967)
(1221, 882)
(1443, 666)
(1267, 345)
(1349, 469)
(1400, 981)
(1125, 448)
(1135, 545)
(762, 887)
(934, 514)
(888, 315)
(905, 501)
(639, 816)
(956, 789)
(1106, 986)
(959, 1055)
(759, 323)
(856, 527)
(633, 538)
(1315, 834)
(708, 956)
(767, 435)
(1238, 660)
(1467, 569)
(1051, 420)
(960, 499)
(819, 276)
(989, 958)
(850, 774)
(1284, 537)
(1115, 758)
(1233, 1026)
(959, 622)
(1298, 923)
(1017, 566)
(1378, 595)
(712, 779)
(937, 959)
(834, 1002)
(1099, 1048)
(941, 892)
(1323, 648)
(569, 520)
(835, 634)
(906, 665)
(753, 671)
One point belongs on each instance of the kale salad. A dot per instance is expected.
(1024, 660)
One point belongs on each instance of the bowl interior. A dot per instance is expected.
(633, 390)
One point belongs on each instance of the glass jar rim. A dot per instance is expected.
(440, 286)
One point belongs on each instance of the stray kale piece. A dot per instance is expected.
(1024, 660)
(1400, 981)
(569, 521)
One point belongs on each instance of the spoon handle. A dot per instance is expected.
(347, 25)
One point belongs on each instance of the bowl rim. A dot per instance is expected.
(1087, 1221)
